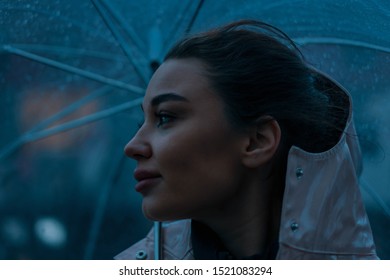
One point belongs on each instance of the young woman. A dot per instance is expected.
(249, 153)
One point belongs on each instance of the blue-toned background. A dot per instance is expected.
(72, 73)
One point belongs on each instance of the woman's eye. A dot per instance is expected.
(163, 118)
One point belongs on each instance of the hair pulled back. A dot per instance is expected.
(258, 71)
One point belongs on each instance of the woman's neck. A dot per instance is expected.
(246, 225)
(246, 237)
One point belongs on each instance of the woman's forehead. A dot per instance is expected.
(185, 77)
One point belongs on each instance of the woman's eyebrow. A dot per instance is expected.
(167, 97)
(164, 98)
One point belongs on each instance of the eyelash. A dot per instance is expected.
(161, 116)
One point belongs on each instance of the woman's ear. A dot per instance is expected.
(262, 142)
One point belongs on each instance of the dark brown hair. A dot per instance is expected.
(258, 71)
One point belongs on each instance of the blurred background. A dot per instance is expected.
(72, 76)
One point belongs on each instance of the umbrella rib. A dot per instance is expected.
(60, 50)
(376, 197)
(69, 109)
(114, 30)
(101, 207)
(194, 16)
(72, 69)
(178, 22)
(34, 136)
(338, 41)
(130, 32)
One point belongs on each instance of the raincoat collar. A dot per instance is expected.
(323, 215)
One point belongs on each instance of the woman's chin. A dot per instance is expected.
(160, 214)
(154, 213)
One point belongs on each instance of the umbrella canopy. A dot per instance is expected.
(72, 77)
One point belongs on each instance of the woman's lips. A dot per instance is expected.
(145, 184)
(146, 179)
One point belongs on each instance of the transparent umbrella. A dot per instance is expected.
(72, 77)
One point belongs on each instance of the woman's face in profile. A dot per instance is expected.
(187, 152)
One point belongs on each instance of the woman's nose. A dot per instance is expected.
(138, 148)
